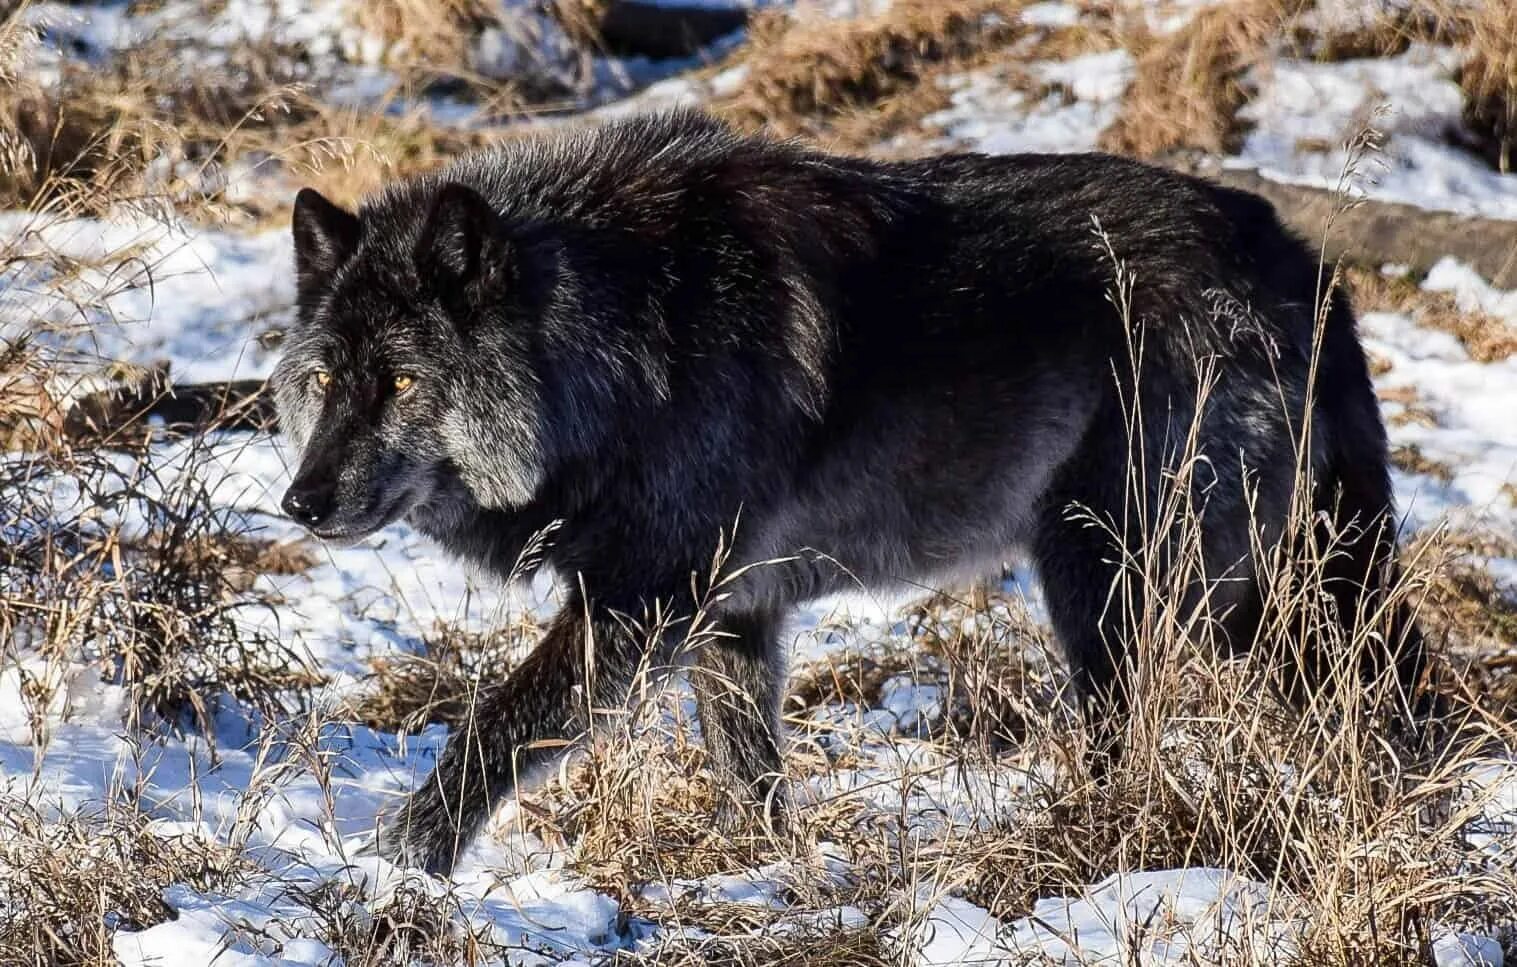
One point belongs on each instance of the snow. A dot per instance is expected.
(1185, 916)
(197, 299)
(992, 112)
(1454, 949)
(1306, 113)
(1472, 402)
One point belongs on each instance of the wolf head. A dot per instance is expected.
(408, 370)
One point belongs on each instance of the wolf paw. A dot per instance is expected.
(770, 816)
(405, 839)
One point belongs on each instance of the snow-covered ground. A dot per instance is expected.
(296, 796)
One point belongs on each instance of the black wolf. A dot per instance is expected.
(650, 331)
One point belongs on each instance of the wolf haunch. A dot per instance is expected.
(657, 335)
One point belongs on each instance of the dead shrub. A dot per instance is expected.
(1489, 80)
(1190, 84)
(159, 610)
(803, 71)
(67, 885)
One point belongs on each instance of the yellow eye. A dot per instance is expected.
(322, 379)
(403, 383)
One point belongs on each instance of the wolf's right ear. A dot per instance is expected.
(325, 235)
(461, 246)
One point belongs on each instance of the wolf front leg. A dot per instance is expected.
(738, 681)
(584, 667)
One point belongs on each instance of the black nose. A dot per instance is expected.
(308, 503)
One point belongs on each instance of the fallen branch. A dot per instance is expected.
(1379, 232)
(241, 404)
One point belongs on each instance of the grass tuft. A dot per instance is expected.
(68, 885)
(802, 72)
(1190, 84)
(1489, 80)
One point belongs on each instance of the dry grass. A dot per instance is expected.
(1190, 84)
(1489, 80)
(728, 944)
(30, 419)
(432, 46)
(439, 684)
(1464, 604)
(159, 612)
(1413, 411)
(67, 886)
(1487, 338)
(1379, 30)
(804, 72)
(409, 925)
(434, 36)
(98, 135)
(152, 128)
(1487, 31)
(1409, 457)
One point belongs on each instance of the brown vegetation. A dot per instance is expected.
(428, 37)
(67, 886)
(1190, 84)
(1410, 458)
(151, 129)
(441, 683)
(161, 610)
(1489, 80)
(801, 72)
(1487, 338)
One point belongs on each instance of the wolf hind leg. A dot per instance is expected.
(1073, 559)
(738, 686)
(1354, 493)
(519, 727)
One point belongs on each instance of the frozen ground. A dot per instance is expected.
(213, 292)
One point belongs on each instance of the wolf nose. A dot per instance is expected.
(309, 505)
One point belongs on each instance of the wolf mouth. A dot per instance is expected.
(372, 522)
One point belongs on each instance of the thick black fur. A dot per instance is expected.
(658, 331)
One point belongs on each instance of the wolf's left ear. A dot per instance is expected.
(461, 244)
(325, 235)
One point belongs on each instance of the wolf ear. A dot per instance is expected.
(325, 235)
(461, 244)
